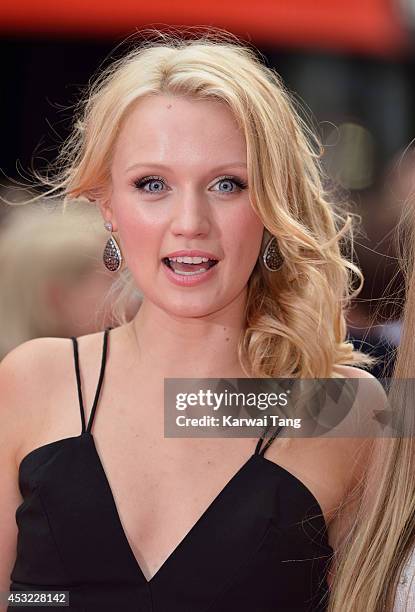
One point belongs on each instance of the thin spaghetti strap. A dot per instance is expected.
(78, 381)
(258, 450)
(101, 378)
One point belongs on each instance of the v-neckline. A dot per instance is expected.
(186, 537)
(215, 501)
(167, 562)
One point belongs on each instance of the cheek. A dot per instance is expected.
(138, 234)
(245, 235)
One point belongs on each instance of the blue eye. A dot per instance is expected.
(232, 179)
(141, 183)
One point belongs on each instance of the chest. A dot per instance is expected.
(162, 487)
(243, 549)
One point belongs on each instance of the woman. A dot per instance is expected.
(191, 149)
(377, 572)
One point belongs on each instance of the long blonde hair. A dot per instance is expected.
(295, 323)
(383, 535)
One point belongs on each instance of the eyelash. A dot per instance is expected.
(141, 183)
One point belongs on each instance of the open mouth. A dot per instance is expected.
(189, 266)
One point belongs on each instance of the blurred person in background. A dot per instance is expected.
(376, 572)
(52, 281)
(374, 321)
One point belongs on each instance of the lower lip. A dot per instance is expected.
(191, 280)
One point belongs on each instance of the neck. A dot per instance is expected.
(181, 347)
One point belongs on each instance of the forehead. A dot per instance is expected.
(184, 131)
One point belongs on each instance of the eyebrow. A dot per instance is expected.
(166, 167)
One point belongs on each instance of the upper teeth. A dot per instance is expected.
(189, 260)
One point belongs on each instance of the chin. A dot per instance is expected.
(187, 310)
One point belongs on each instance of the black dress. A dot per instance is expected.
(261, 545)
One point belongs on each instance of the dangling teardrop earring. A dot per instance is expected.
(272, 257)
(112, 256)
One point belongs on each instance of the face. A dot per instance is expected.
(179, 189)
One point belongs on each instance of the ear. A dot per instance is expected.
(107, 211)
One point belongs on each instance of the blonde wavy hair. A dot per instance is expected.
(295, 323)
(382, 537)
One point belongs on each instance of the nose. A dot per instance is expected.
(191, 215)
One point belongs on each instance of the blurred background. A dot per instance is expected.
(348, 64)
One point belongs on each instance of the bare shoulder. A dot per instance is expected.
(361, 424)
(28, 373)
(348, 371)
(29, 366)
(33, 353)
(356, 436)
(38, 385)
(41, 365)
(38, 376)
(370, 393)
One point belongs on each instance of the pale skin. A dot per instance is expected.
(163, 485)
